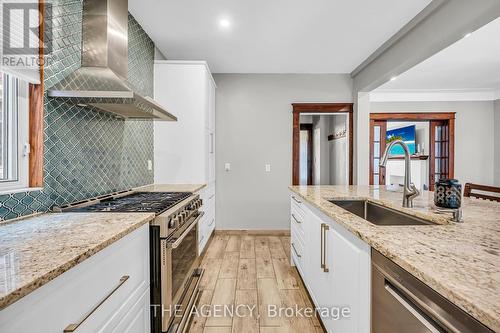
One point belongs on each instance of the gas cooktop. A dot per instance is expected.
(150, 202)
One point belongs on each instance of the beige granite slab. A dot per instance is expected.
(461, 261)
(36, 250)
(171, 187)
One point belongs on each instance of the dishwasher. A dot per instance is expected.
(402, 303)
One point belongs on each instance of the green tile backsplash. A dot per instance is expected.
(88, 153)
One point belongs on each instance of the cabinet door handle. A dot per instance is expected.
(321, 246)
(296, 220)
(325, 228)
(211, 143)
(296, 200)
(295, 250)
(211, 224)
(73, 327)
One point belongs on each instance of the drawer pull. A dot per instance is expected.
(296, 220)
(295, 250)
(74, 327)
(296, 200)
(324, 228)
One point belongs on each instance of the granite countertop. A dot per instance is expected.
(461, 261)
(171, 188)
(36, 250)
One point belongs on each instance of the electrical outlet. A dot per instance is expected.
(150, 165)
(227, 166)
(268, 167)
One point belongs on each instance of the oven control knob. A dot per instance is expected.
(174, 222)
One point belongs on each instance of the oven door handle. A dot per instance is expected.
(175, 243)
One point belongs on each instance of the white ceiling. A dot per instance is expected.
(274, 36)
(472, 63)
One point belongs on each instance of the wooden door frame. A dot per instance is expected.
(448, 117)
(36, 111)
(310, 169)
(304, 108)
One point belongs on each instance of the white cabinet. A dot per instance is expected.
(335, 266)
(185, 150)
(317, 272)
(206, 226)
(114, 282)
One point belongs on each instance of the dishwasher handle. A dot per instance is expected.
(412, 308)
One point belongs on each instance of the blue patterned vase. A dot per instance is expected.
(448, 193)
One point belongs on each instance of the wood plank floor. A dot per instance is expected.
(254, 271)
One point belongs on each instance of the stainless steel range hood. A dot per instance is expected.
(101, 81)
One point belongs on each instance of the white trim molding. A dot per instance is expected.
(497, 94)
(188, 62)
(439, 95)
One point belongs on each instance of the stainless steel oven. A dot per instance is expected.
(180, 276)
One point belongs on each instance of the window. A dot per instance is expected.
(14, 129)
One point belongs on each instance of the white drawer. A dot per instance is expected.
(71, 296)
(297, 221)
(205, 229)
(297, 249)
(296, 201)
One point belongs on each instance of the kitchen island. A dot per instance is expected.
(460, 261)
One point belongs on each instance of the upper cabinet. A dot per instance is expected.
(185, 150)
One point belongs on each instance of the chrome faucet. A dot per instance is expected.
(410, 191)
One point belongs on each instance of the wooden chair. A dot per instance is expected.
(483, 188)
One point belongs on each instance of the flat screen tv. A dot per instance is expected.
(407, 134)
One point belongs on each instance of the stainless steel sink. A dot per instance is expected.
(379, 215)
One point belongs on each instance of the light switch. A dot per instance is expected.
(227, 166)
(150, 165)
(268, 167)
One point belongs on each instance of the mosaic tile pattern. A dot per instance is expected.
(88, 152)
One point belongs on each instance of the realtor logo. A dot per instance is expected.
(21, 42)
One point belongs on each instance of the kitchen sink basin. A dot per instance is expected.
(379, 215)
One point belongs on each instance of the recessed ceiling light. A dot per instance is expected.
(394, 78)
(467, 34)
(224, 23)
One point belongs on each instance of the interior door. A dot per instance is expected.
(377, 146)
(439, 166)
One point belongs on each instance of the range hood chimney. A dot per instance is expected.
(101, 81)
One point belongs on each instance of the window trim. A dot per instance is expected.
(36, 112)
(35, 121)
(18, 128)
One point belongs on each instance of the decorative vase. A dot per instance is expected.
(448, 193)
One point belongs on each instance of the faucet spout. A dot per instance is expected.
(410, 191)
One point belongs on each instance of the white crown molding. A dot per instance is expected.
(439, 95)
(497, 94)
(188, 62)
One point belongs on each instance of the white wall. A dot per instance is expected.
(339, 166)
(474, 134)
(321, 161)
(497, 143)
(254, 127)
